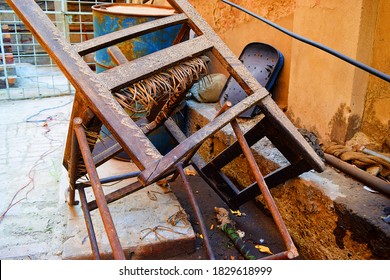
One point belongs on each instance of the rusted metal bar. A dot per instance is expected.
(272, 179)
(279, 256)
(264, 190)
(89, 225)
(290, 133)
(371, 181)
(135, 70)
(150, 174)
(98, 191)
(194, 151)
(197, 211)
(116, 37)
(184, 31)
(72, 169)
(111, 179)
(118, 194)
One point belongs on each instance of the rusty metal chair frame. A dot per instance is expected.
(94, 105)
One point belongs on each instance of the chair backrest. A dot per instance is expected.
(265, 63)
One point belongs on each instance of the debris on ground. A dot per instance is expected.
(227, 226)
(263, 249)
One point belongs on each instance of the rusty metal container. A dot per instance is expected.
(108, 18)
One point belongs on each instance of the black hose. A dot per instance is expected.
(358, 64)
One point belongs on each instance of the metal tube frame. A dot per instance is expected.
(105, 214)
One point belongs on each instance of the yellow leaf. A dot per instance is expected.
(263, 249)
(212, 227)
(237, 213)
(200, 235)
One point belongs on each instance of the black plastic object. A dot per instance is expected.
(265, 63)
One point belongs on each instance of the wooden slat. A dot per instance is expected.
(116, 37)
(92, 91)
(132, 71)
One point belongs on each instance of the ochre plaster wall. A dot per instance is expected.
(376, 118)
(327, 94)
(318, 91)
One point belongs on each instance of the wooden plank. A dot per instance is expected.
(92, 91)
(119, 36)
(196, 139)
(132, 71)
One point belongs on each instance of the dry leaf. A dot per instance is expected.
(190, 172)
(263, 249)
(212, 227)
(237, 213)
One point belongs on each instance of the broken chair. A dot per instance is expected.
(96, 103)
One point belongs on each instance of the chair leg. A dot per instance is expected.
(98, 191)
(89, 224)
(197, 211)
(292, 251)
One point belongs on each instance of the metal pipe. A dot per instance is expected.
(339, 55)
(197, 211)
(188, 158)
(118, 194)
(371, 181)
(372, 153)
(89, 224)
(292, 251)
(279, 256)
(111, 179)
(72, 171)
(105, 214)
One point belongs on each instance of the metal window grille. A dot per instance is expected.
(26, 70)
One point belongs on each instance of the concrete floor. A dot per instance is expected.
(36, 223)
(33, 210)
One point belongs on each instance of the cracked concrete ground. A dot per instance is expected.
(36, 223)
(32, 222)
